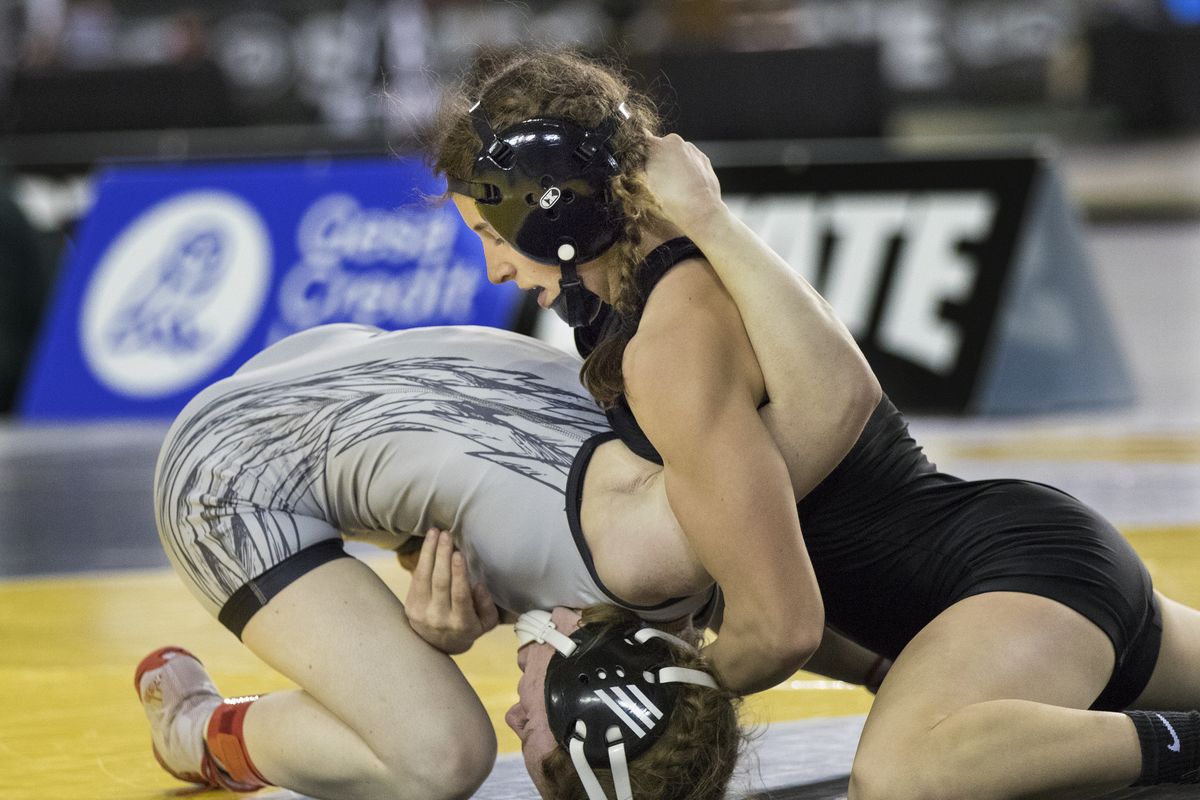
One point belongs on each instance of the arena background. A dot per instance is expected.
(1002, 200)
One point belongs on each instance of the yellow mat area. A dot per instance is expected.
(71, 727)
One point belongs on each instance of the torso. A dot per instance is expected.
(384, 435)
(894, 542)
(625, 512)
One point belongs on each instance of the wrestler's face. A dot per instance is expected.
(528, 717)
(506, 263)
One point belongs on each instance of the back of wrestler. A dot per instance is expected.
(349, 431)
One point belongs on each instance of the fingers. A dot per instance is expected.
(420, 588)
(462, 607)
(441, 597)
(440, 578)
(472, 606)
(485, 607)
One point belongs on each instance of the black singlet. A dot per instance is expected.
(894, 541)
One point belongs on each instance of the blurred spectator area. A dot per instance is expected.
(1111, 84)
(353, 74)
(88, 80)
(1114, 81)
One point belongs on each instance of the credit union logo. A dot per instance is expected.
(175, 294)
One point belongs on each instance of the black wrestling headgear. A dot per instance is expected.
(609, 696)
(544, 185)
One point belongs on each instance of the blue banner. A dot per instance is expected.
(182, 273)
(1186, 12)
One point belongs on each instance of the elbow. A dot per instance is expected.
(793, 645)
(804, 644)
(865, 391)
(788, 654)
(862, 393)
(796, 651)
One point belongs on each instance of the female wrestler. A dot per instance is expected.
(347, 431)
(1021, 620)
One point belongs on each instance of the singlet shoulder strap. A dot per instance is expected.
(649, 273)
(662, 258)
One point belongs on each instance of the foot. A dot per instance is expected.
(178, 698)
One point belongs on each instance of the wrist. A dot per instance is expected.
(877, 672)
(703, 221)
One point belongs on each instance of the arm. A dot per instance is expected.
(692, 381)
(847, 661)
(822, 390)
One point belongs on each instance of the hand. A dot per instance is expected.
(682, 181)
(442, 605)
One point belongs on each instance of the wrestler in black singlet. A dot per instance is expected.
(894, 542)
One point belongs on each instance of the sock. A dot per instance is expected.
(226, 761)
(1170, 746)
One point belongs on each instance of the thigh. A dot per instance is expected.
(341, 634)
(993, 646)
(218, 548)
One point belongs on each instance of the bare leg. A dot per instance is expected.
(380, 713)
(987, 702)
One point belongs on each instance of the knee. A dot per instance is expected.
(912, 773)
(880, 786)
(875, 779)
(449, 767)
(467, 767)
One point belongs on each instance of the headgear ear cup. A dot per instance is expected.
(544, 185)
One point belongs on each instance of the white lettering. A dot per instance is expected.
(349, 257)
(932, 271)
(931, 267)
(312, 294)
(863, 227)
(788, 224)
(335, 229)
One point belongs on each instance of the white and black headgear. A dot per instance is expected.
(609, 693)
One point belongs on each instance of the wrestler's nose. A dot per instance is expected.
(515, 718)
(500, 270)
(499, 267)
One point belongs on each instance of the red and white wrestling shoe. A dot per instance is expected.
(178, 698)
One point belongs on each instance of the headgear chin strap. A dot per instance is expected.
(545, 186)
(576, 304)
(608, 697)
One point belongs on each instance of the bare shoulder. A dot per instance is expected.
(690, 334)
(689, 284)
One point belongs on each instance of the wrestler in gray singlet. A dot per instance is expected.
(347, 431)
